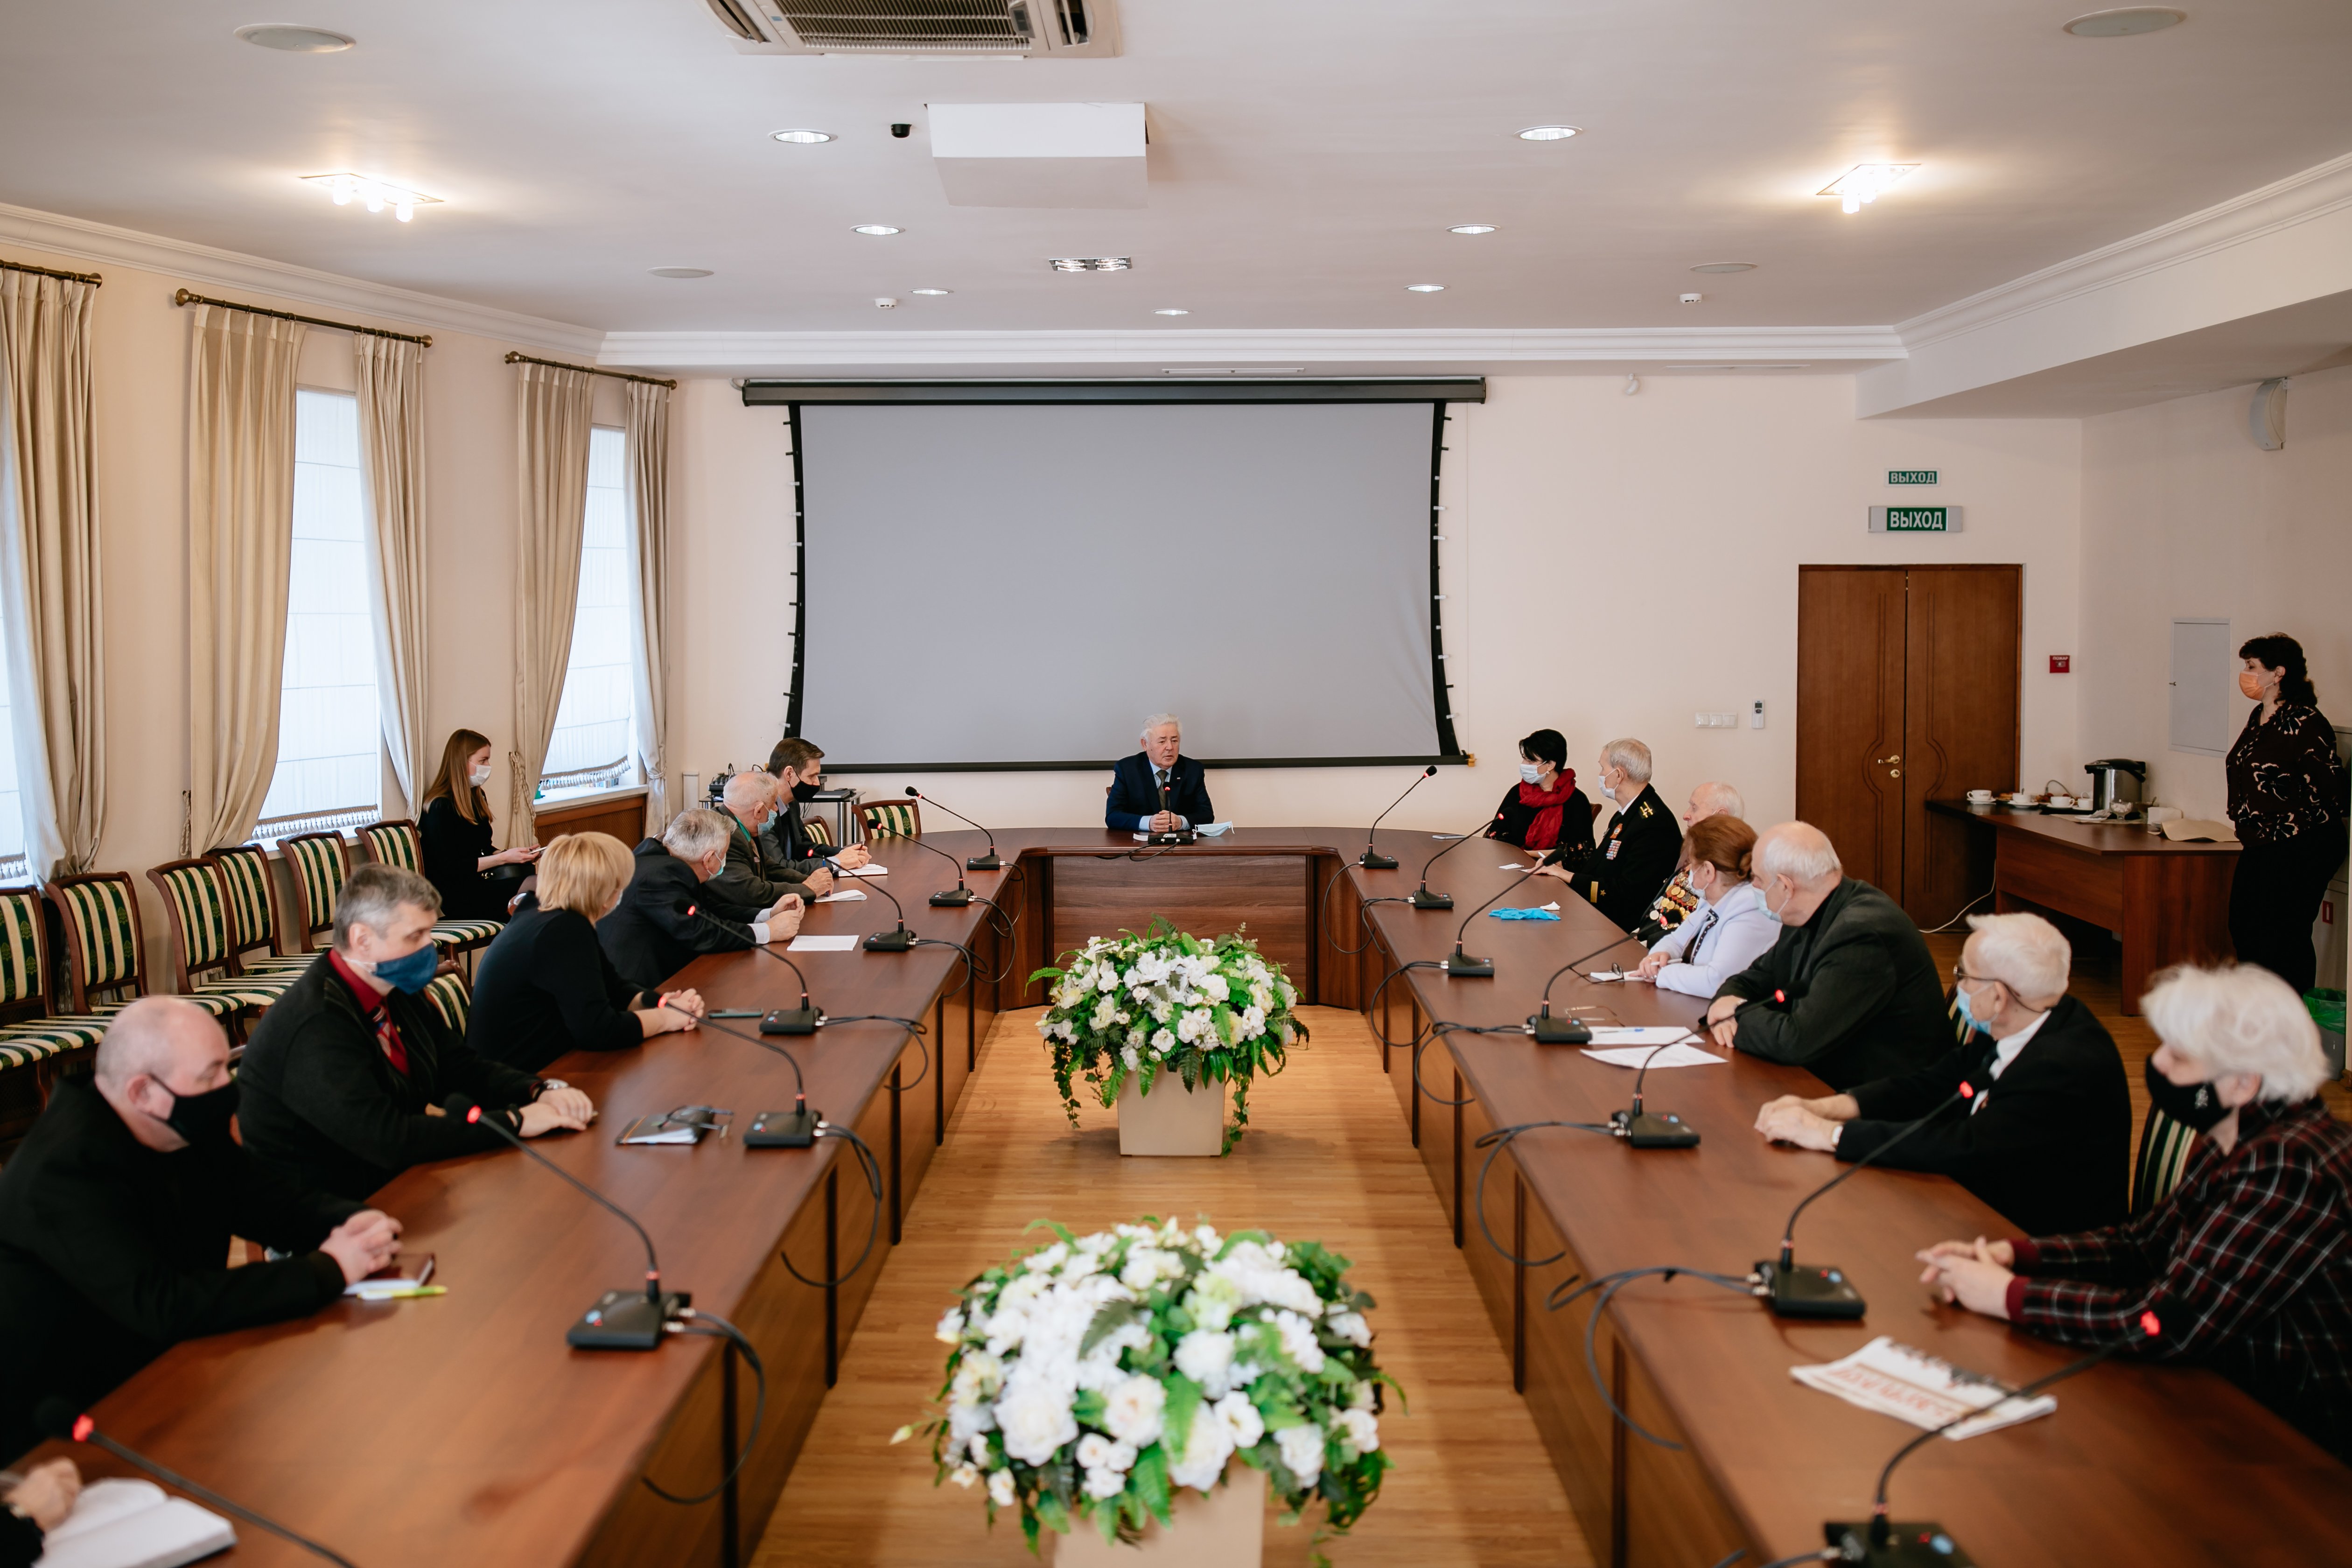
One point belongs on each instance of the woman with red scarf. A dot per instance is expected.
(1545, 810)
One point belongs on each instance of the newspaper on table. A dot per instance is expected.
(1912, 1385)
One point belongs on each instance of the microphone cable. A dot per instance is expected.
(909, 1025)
(1363, 919)
(688, 1322)
(1609, 1285)
(873, 1168)
(1495, 1141)
(1819, 1554)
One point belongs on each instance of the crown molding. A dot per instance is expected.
(192, 263)
(2299, 199)
(755, 351)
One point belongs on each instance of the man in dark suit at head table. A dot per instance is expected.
(1134, 805)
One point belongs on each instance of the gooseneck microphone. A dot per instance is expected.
(794, 1129)
(1883, 1544)
(900, 941)
(621, 1319)
(55, 1418)
(1372, 860)
(1551, 1031)
(1422, 898)
(801, 1020)
(1174, 834)
(956, 897)
(988, 862)
(1642, 1130)
(1461, 965)
(1820, 1291)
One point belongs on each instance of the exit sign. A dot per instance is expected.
(1910, 475)
(1915, 520)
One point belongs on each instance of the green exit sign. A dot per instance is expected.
(1910, 475)
(1915, 520)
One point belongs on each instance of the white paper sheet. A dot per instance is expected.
(871, 868)
(822, 944)
(1514, 865)
(1675, 1056)
(1912, 1385)
(844, 896)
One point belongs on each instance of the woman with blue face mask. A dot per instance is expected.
(1545, 810)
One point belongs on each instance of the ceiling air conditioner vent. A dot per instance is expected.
(1044, 28)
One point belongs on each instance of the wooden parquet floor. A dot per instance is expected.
(1326, 1159)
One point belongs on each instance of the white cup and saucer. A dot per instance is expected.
(1979, 797)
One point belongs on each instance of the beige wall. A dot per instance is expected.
(2183, 515)
(1613, 564)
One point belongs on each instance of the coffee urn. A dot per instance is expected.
(2117, 785)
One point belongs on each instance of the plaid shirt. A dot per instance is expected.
(2247, 1265)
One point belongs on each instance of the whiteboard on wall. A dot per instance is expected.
(2201, 689)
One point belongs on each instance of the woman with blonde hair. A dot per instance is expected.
(545, 987)
(455, 832)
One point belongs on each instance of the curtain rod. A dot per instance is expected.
(92, 278)
(515, 356)
(185, 298)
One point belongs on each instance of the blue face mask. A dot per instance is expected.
(412, 972)
(1764, 902)
(1966, 1013)
(770, 820)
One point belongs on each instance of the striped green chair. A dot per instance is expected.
(317, 868)
(31, 1037)
(255, 921)
(203, 955)
(2165, 1146)
(104, 951)
(452, 999)
(817, 830)
(397, 844)
(892, 820)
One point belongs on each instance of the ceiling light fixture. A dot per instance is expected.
(1424, 287)
(375, 194)
(1865, 182)
(874, 228)
(1171, 310)
(680, 271)
(1725, 266)
(930, 292)
(2125, 22)
(1472, 228)
(1090, 263)
(803, 137)
(294, 40)
(1547, 132)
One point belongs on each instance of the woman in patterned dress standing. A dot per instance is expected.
(2287, 799)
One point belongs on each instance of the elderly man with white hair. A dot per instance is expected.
(2043, 1133)
(667, 917)
(2247, 1265)
(754, 874)
(1636, 854)
(1848, 990)
(116, 1214)
(1678, 900)
(1159, 789)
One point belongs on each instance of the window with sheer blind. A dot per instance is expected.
(12, 801)
(594, 746)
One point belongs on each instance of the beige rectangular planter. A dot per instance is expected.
(1225, 1528)
(1171, 1119)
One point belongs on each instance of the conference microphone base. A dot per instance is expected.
(625, 1321)
(1654, 1130)
(1551, 1031)
(1914, 1543)
(790, 1021)
(991, 861)
(784, 1129)
(1181, 836)
(1371, 861)
(1809, 1290)
(900, 941)
(1462, 966)
(951, 898)
(1422, 898)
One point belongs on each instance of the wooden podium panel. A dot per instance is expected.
(1265, 897)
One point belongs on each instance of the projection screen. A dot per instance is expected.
(1019, 586)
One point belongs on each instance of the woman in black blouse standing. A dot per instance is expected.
(2287, 799)
(456, 831)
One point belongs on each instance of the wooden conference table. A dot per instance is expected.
(462, 1430)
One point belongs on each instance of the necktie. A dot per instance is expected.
(388, 1037)
(1162, 774)
(1690, 955)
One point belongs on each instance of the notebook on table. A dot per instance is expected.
(122, 1523)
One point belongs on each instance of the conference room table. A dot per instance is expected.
(462, 1430)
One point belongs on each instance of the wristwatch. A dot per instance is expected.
(547, 1083)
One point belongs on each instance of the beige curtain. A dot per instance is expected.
(48, 567)
(554, 413)
(240, 538)
(649, 593)
(391, 380)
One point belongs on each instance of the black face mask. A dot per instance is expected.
(2196, 1106)
(205, 1118)
(806, 791)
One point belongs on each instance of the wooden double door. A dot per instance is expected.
(1907, 686)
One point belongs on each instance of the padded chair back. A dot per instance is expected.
(195, 896)
(24, 952)
(101, 916)
(2165, 1146)
(892, 820)
(395, 844)
(817, 830)
(320, 870)
(252, 903)
(451, 999)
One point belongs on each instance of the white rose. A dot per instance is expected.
(1093, 1449)
(1251, 1023)
(1046, 1258)
(1360, 1430)
(1101, 1483)
(1131, 1057)
(963, 1476)
(1207, 1446)
(1035, 1422)
(1163, 1042)
(1107, 980)
(1350, 1327)
(1241, 1418)
(1214, 986)
(1298, 1342)
(1302, 1452)
(1212, 1300)
(1362, 1399)
(1206, 1358)
(999, 1487)
(950, 1327)
(1131, 1410)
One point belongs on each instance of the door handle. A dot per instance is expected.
(1882, 761)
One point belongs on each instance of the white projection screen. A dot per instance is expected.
(1009, 586)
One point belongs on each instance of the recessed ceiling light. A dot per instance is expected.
(680, 271)
(1171, 310)
(294, 40)
(873, 229)
(1472, 228)
(1090, 263)
(803, 137)
(1547, 132)
(1725, 266)
(2124, 22)
(1424, 287)
(931, 291)
(375, 194)
(1865, 182)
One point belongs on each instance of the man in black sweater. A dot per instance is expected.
(1848, 990)
(2043, 1133)
(116, 1214)
(652, 935)
(345, 1074)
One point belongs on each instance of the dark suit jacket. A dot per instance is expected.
(1626, 869)
(755, 875)
(1135, 793)
(650, 937)
(2050, 1148)
(1862, 998)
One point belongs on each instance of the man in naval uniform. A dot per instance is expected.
(1623, 870)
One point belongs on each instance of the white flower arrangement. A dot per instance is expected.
(1166, 1002)
(1088, 1381)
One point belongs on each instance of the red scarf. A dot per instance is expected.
(1544, 831)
